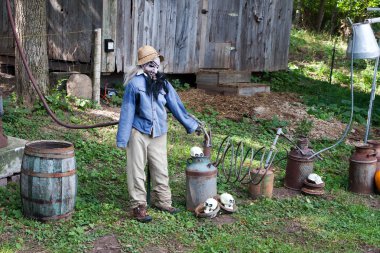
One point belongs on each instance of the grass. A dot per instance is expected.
(338, 222)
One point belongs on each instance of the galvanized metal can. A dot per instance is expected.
(200, 181)
(362, 170)
(298, 166)
(376, 145)
(262, 184)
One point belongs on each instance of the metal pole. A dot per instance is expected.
(97, 65)
(373, 91)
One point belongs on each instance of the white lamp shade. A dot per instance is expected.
(365, 46)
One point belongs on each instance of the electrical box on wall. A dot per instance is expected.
(109, 45)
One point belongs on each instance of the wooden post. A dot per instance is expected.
(109, 32)
(97, 65)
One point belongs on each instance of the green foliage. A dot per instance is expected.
(179, 85)
(304, 127)
(335, 11)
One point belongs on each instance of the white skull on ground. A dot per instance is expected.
(227, 200)
(210, 205)
(196, 152)
(315, 178)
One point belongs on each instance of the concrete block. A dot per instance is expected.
(222, 77)
(79, 85)
(11, 157)
(235, 89)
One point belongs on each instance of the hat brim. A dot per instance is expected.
(150, 58)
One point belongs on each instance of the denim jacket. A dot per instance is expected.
(148, 115)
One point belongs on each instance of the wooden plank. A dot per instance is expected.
(207, 78)
(224, 15)
(181, 37)
(123, 25)
(217, 56)
(161, 47)
(170, 35)
(55, 26)
(147, 24)
(234, 77)
(233, 89)
(109, 32)
(203, 34)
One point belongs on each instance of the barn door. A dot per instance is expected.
(219, 26)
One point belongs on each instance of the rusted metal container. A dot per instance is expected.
(48, 182)
(200, 181)
(376, 145)
(262, 184)
(362, 170)
(298, 166)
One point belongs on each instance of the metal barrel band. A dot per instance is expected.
(367, 162)
(44, 202)
(203, 174)
(69, 154)
(48, 175)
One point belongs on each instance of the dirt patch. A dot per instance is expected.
(369, 249)
(283, 193)
(294, 227)
(284, 106)
(107, 244)
(223, 219)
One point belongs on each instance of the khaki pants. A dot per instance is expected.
(142, 149)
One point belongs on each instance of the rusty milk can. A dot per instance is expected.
(200, 181)
(376, 145)
(362, 170)
(298, 166)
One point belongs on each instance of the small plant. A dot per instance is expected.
(304, 127)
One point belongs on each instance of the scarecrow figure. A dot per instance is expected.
(143, 130)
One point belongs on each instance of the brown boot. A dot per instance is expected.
(139, 213)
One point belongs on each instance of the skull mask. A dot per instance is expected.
(151, 67)
(210, 205)
(196, 152)
(227, 200)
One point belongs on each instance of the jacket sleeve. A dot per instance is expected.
(127, 115)
(176, 107)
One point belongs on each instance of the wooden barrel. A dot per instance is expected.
(48, 183)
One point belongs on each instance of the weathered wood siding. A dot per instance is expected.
(168, 25)
(70, 28)
(6, 38)
(212, 34)
(242, 35)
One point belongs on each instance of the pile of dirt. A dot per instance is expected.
(284, 106)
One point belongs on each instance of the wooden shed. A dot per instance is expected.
(238, 35)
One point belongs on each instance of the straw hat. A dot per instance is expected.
(146, 54)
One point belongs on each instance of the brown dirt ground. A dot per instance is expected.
(286, 106)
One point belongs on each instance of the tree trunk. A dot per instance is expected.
(297, 18)
(333, 19)
(31, 28)
(321, 13)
